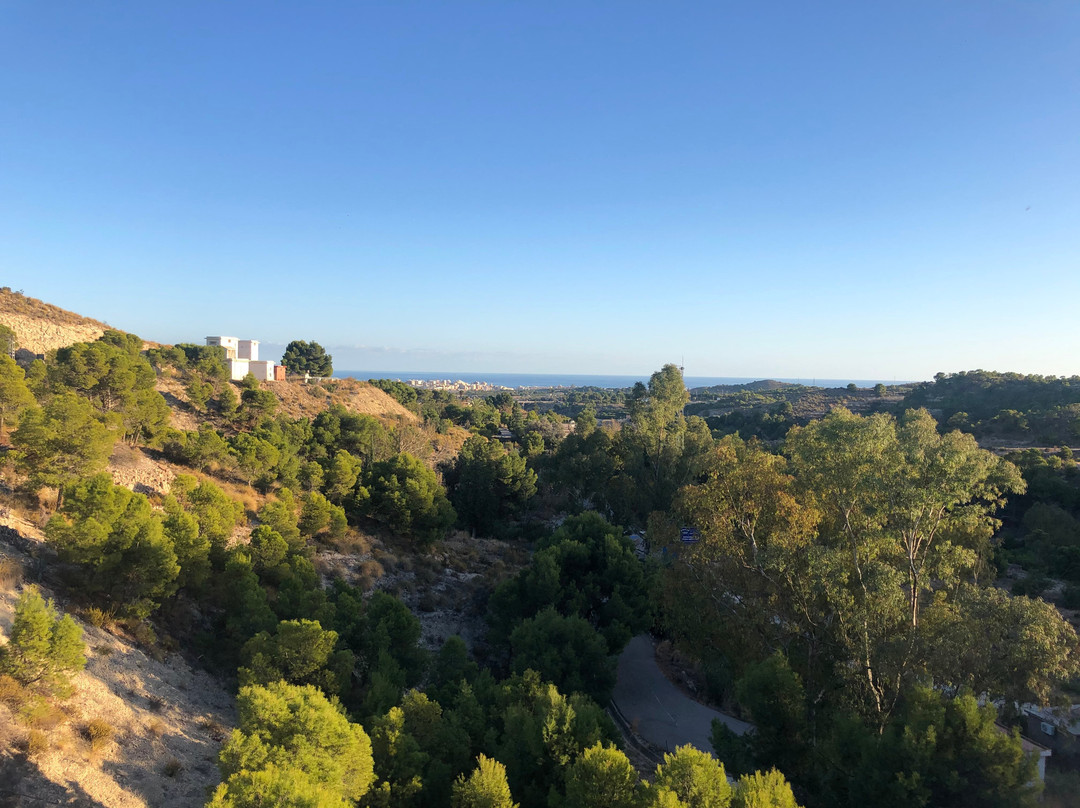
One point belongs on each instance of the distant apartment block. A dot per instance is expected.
(242, 358)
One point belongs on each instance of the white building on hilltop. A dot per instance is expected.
(242, 358)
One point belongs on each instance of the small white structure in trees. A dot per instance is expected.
(242, 358)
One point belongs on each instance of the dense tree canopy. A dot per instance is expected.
(295, 729)
(488, 483)
(15, 396)
(115, 536)
(62, 441)
(308, 357)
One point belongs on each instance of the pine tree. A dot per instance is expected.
(44, 648)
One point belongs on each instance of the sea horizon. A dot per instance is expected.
(516, 381)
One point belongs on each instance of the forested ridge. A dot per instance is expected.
(844, 590)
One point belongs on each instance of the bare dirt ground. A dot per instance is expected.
(134, 469)
(301, 400)
(168, 722)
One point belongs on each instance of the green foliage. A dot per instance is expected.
(198, 393)
(763, 790)
(254, 456)
(565, 650)
(62, 441)
(336, 429)
(118, 540)
(695, 777)
(659, 448)
(1006, 403)
(204, 450)
(774, 695)
(256, 403)
(942, 751)
(602, 777)
(850, 559)
(299, 652)
(275, 785)
(43, 648)
(340, 478)
(405, 394)
(15, 396)
(450, 668)
(314, 514)
(989, 641)
(539, 732)
(734, 750)
(113, 375)
(216, 512)
(227, 402)
(192, 546)
(246, 606)
(296, 730)
(486, 787)
(8, 341)
(308, 357)
(407, 495)
(488, 484)
(281, 516)
(588, 569)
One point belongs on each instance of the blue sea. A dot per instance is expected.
(519, 380)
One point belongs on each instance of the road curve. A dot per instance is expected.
(657, 710)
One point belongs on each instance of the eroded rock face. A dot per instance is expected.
(41, 336)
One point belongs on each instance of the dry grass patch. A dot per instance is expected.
(98, 618)
(98, 733)
(352, 543)
(13, 694)
(172, 767)
(11, 572)
(35, 743)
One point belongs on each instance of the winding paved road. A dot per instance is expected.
(657, 710)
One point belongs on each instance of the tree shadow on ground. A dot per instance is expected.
(23, 785)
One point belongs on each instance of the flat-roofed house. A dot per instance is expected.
(242, 358)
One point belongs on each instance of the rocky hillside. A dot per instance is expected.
(41, 327)
(165, 719)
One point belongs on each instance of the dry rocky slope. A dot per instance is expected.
(41, 327)
(168, 720)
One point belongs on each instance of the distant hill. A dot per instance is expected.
(41, 327)
(751, 387)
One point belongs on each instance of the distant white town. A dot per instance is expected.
(447, 384)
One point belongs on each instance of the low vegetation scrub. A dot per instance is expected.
(12, 693)
(172, 767)
(35, 743)
(98, 732)
(11, 572)
(98, 618)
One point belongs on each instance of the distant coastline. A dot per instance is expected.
(523, 380)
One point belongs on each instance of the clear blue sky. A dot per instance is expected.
(795, 189)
